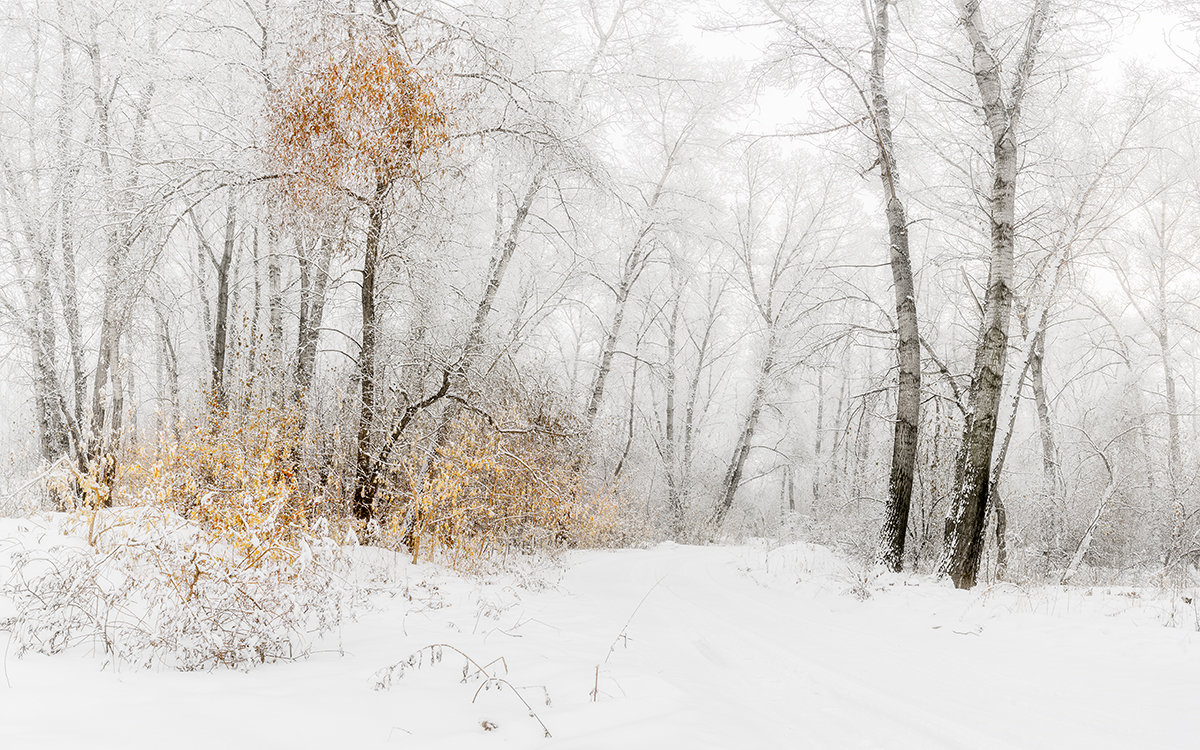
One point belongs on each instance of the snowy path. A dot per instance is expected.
(727, 650)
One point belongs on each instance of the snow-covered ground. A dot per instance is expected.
(723, 647)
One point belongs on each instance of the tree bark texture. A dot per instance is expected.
(363, 493)
(908, 343)
(965, 525)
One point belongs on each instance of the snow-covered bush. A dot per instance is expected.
(487, 493)
(152, 589)
(217, 552)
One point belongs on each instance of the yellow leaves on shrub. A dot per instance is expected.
(235, 477)
(248, 481)
(487, 492)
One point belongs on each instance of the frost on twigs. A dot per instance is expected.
(491, 496)
(214, 555)
(491, 676)
(351, 116)
(157, 593)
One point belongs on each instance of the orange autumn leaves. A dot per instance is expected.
(343, 124)
(252, 483)
(238, 477)
(487, 493)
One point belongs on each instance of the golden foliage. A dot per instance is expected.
(352, 119)
(237, 477)
(487, 492)
(249, 481)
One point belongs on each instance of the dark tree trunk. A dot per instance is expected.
(220, 330)
(364, 493)
(966, 523)
(908, 345)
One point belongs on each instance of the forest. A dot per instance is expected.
(889, 305)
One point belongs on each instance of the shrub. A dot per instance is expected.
(245, 478)
(219, 553)
(489, 491)
(152, 589)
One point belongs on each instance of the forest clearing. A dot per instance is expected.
(759, 645)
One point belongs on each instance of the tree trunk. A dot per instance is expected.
(118, 301)
(50, 413)
(1001, 537)
(607, 352)
(1089, 533)
(969, 502)
(635, 263)
(908, 345)
(1051, 488)
(70, 286)
(745, 441)
(818, 439)
(689, 411)
(670, 451)
(1163, 336)
(52, 427)
(363, 493)
(170, 367)
(499, 265)
(220, 330)
(314, 275)
(629, 431)
(1031, 357)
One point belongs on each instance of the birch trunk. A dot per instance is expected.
(908, 344)
(70, 286)
(964, 537)
(745, 441)
(670, 452)
(314, 276)
(1051, 488)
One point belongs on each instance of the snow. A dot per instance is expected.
(756, 646)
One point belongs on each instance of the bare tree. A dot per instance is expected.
(1001, 108)
(779, 235)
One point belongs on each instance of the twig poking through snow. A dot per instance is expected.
(620, 635)
(387, 676)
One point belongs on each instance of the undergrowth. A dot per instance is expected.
(224, 544)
